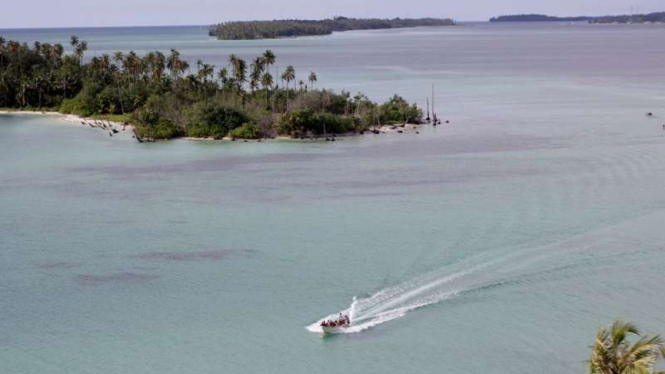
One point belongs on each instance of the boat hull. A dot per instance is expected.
(334, 330)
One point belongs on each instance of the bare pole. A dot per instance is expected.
(432, 98)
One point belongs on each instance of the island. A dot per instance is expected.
(621, 19)
(163, 97)
(248, 30)
(537, 18)
(658, 17)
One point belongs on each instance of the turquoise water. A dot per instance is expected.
(497, 243)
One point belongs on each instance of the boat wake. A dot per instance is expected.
(481, 272)
(394, 302)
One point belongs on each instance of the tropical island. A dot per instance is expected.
(248, 30)
(537, 18)
(164, 98)
(637, 18)
(623, 19)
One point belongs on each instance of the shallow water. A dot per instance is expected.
(514, 231)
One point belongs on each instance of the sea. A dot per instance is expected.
(497, 242)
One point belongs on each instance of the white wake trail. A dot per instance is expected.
(471, 274)
(394, 302)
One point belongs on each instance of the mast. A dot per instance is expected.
(435, 120)
(433, 99)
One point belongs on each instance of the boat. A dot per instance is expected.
(334, 327)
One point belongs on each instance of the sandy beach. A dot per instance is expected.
(70, 118)
(105, 124)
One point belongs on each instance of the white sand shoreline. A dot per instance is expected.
(69, 118)
(107, 125)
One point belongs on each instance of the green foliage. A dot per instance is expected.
(299, 122)
(161, 129)
(153, 120)
(72, 106)
(613, 353)
(214, 120)
(246, 131)
(242, 30)
(153, 92)
(398, 110)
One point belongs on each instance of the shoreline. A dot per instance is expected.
(110, 125)
(69, 118)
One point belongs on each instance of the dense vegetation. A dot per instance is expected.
(637, 18)
(537, 18)
(165, 97)
(242, 30)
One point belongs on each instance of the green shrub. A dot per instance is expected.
(73, 106)
(214, 120)
(302, 121)
(246, 131)
(398, 110)
(163, 129)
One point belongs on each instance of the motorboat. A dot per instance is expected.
(335, 326)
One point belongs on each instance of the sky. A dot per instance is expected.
(87, 13)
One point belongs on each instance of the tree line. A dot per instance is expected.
(166, 97)
(634, 18)
(246, 30)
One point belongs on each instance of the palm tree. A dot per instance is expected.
(158, 65)
(74, 41)
(239, 67)
(205, 71)
(269, 58)
(118, 56)
(613, 354)
(312, 79)
(266, 82)
(288, 75)
(256, 72)
(81, 47)
(223, 75)
(175, 65)
(2, 48)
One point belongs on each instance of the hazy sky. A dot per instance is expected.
(69, 13)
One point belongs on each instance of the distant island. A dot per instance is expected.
(625, 19)
(537, 18)
(163, 97)
(249, 30)
(638, 18)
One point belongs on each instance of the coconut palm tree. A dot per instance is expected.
(223, 76)
(614, 354)
(288, 75)
(205, 71)
(118, 57)
(74, 41)
(81, 47)
(256, 72)
(266, 82)
(175, 65)
(239, 67)
(269, 58)
(2, 48)
(312, 79)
